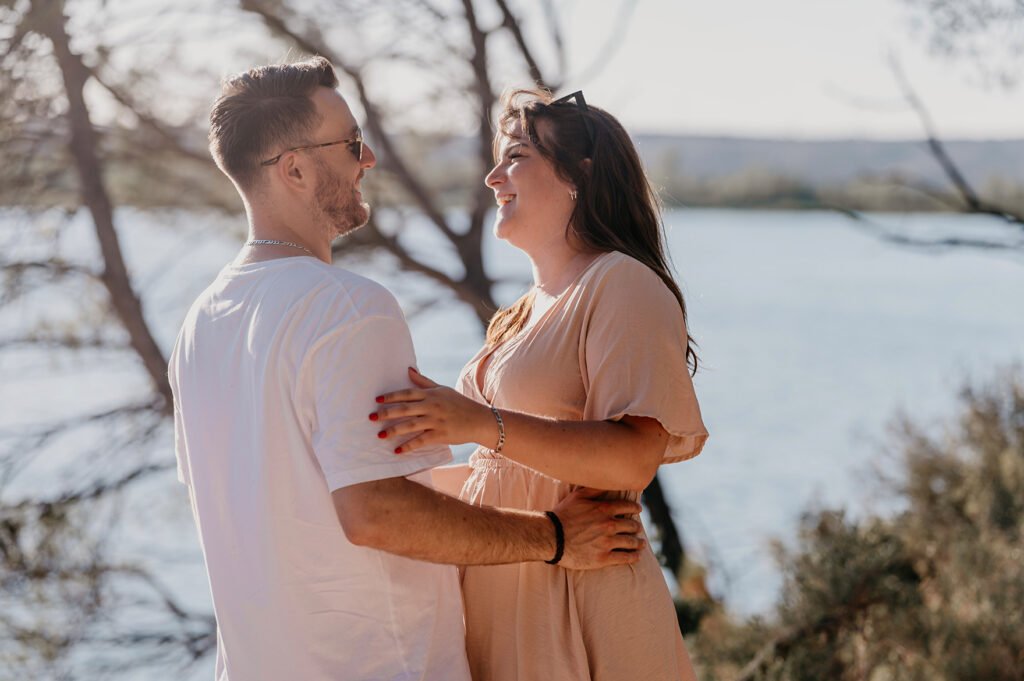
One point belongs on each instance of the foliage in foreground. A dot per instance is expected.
(934, 592)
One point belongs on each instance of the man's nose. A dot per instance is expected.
(368, 159)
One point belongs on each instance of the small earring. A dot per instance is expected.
(572, 194)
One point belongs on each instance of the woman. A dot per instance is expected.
(588, 380)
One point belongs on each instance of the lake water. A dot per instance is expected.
(813, 335)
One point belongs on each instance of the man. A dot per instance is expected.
(313, 534)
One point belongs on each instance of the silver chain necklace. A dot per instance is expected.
(275, 242)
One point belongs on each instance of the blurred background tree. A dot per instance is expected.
(987, 33)
(101, 116)
(88, 128)
(933, 592)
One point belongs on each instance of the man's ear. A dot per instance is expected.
(292, 171)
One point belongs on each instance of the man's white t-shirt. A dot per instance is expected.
(274, 373)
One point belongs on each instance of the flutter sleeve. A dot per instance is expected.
(633, 355)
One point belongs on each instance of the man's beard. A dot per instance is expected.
(336, 204)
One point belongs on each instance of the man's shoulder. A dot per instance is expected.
(306, 284)
(349, 294)
(301, 293)
(344, 279)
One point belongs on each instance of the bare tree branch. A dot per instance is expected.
(940, 196)
(105, 487)
(482, 200)
(56, 268)
(35, 439)
(937, 148)
(514, 27)
(312, 43)
(371, 235)
(555, 27)
(94, 194)
(989, 33)
(898, 238)
(149, 121)
(475, 287)
(68, 342)
(671, 545)
(972, 202)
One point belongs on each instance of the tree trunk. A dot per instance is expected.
(671, 550)
(84, 150)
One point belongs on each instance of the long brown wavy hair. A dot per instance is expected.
(615, 210)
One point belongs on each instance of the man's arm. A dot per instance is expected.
(408, 519)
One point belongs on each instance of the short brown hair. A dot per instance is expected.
(262, 111)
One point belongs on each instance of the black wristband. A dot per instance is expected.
(559, 538)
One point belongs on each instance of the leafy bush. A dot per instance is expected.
(934, 592)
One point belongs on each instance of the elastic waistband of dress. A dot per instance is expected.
(486, 458)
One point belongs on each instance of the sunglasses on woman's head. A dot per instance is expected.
(576, 99)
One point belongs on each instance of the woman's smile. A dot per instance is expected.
(521, 170)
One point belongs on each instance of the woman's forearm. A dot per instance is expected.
(610, 455)
(603, 454)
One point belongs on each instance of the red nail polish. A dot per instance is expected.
(398, 450)
(374, 417)
(380, 399)
(382, 434)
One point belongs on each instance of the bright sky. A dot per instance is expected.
(790, 68)
(778, 68)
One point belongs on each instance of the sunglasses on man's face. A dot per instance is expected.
(355, 145)
(576, 99)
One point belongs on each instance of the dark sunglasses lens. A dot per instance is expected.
(576, 100)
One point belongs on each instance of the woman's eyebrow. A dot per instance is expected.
(515, 145)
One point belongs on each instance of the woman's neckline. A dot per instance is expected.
(588, 259)
(573, 283)
(483, 365)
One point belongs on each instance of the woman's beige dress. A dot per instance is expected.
(612, 344)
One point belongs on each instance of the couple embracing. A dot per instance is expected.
(338, 543)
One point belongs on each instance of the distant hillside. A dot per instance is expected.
(828, 162)
(779, 173)
(686, 170)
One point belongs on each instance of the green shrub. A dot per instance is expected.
(934, 592)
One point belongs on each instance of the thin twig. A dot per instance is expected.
(972, 202)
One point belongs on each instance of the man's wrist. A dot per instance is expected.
(543, 543)
(559, 538)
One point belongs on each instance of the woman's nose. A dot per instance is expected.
(495, 177)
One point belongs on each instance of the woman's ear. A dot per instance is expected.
(585, 165)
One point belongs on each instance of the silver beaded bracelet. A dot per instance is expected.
(501, 429)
